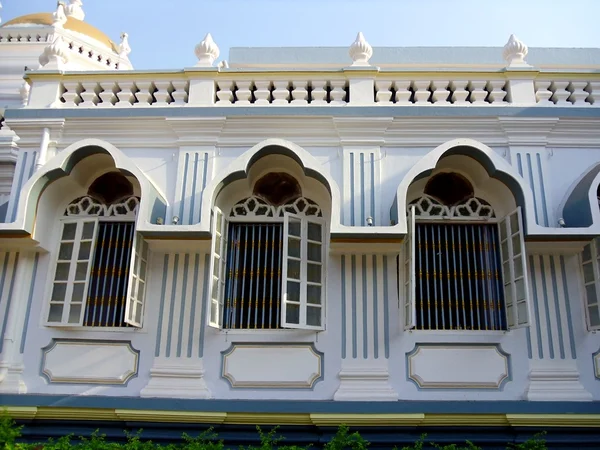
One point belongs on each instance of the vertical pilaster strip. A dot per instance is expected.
(24, 168)
(563, 279)
(365, 308)
(204, 304)
(357, 334)
(361, 181)
(7, 283)
(386, 320)
(546, 310)
(558, 305)
(536, 308)
(183, 326)
(161, 308)
(194, 325)
(195, 167)
(343, 293)
(376, 328)
(29, 302)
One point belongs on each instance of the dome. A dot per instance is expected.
(76, 25)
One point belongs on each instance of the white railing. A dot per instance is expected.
(565, 92)
(20, 35)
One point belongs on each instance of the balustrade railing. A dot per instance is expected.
(566, 92)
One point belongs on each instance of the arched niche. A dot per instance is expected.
(580, 207)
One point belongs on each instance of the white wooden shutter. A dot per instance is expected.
(591, 280)
(514, 270)
(136, 286)
(72, 271)
(303, 272)
(217, 270)
(408, 266)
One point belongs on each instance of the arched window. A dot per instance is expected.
(100, 264)
(464, 269)
(269, 260)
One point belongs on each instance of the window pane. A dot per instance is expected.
(294, 247)
(55, 314)
(313, 316)
(294, 227)
(518, 267)
(590, 291)
(587, 253)
(81, 271)
(141, 290)
(66, 250)
(293, 269)
(516, 244)
(58, 292)
(293, 291)
(313, 294)
(138, 313)
(84, 250)
(62, 271)
(292, 313)
(313, 273)
(506, 269)
(314, 252)
(216, 262)
(520, 289)
(88, 230)
(502, 227)
(514, 222)
(588, 272)
(314, 231)
(218, 244)
(505, 254)
(215, 288)
(69, 231)
(142, 271)
(78, 292)
(522, 312)
(74, 313)
(508, 294)
(594, 316)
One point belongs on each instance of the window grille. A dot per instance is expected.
(590, 264)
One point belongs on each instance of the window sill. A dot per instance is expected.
(459, 332)
(264, 332)
(69, 328)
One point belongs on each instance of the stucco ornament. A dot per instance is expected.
(59, 16)
(24, 91)
(360, 51)
(515, 52)
(55, 55)
(124, 48)
(75, 10)
(206, 52)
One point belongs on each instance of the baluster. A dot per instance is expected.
(162, 94)
(107, 94)
(89, 95)
(144, 94)
(225, 92)
(478, 92)
(71, 94)
(337, 95)
(544, 93)
(319, 92)
(403, 92)
(244, 92)
(299, 93)
(281, 92)
(497, 92)
(384, 91)
(422, 92)
(126, 94)
(594, 91)
(262, 94)
(579, 93)
(561, 94)
(180, 92)
(440, 92)
(460, 92)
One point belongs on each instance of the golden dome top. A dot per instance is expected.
(79, 26)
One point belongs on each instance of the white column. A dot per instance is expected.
(43, 153)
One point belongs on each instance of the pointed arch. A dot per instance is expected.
(495, 166)
(153, 202)
(580, 207)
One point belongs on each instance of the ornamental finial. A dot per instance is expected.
(515, 52)
(75, 9)
(206, 52)
(59, 17)
(55, 55)
(24, 91)
(360, 51)
(124, 48)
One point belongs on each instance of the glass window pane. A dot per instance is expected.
(294, 247)
(84, 250)
(218, 244)
(81, 271)
(313, 273)
(69, 231)
(142, 271)
(314, 231)
(313, 316)
(293, 269)
(313, 294)
(141, 290)
(58, 292)
(314, 252)
(62, 271)
(502, 227)
(514, 223)
(522, 312)
(88, 230)
(215, 288)
(213, 311)
(587, 253)
(594, 316)
(590, 291)
(74, 313)
(138, 313)
(508, 294)
(293, 291)
(292, 314)
(78, 292)
(216, 262)
(588, 272)
(65, 252)
(506, 269)
(520, 284)
(518, 267)
(294, 227)
(505, 254)
(516, 244)
(55, 313)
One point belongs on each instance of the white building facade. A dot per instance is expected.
(398, 236)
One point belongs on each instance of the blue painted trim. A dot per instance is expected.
(557, 308)
(519, 164)
(2, 281)
(543, 190)
(304, 406)
(9, 302)
(532, 185)
(204, 181)
(596, 375)
(186, 158)
(365, 308)
(363, 206)
(375, 219)
(161, 311)
(529, 348)
(547, 308)
(536, 307)
(352, 189)
(343, 262)
(234, 345)
(18, 185)
(32, 166)
(386, 320)
(568, 307)
(375, 311)
(354, 324)
(203, 309)
(55, 341)
(186, 265)
(172, 306)
(29, 301)
(193, 201)
(193, 308)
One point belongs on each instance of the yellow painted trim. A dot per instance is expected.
(49, 412)
(465, 420)
(171, 416)
(21, 412)
(368, 419)
(268, 419)
(554, 420)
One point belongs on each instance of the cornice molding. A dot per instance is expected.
(528, 130)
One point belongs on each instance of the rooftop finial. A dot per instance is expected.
(515, 52)
(360, 51)
(59, 16)
(55, 56)
(75, 9)
(24, 91)
(206, 52)
(124, 48)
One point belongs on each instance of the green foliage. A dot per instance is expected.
(343, 440)
(9, 431)
(535, 443)
(420, 445)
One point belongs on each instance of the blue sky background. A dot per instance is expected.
(163, 33)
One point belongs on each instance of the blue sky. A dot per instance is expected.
(163, 33)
